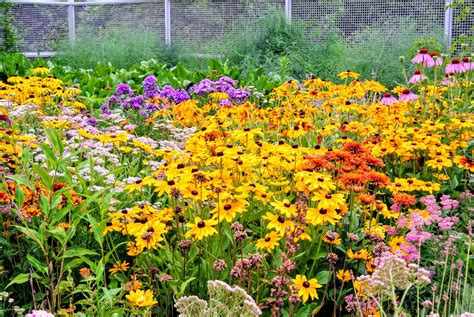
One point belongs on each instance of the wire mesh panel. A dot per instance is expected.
(353, 16)
(463, 19)
(39, 26)
(147, 18)
(205, 25)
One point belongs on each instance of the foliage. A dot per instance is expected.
(120, 47)
(7, 30)
(316, 197)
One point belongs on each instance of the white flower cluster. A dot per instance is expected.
(224, 300)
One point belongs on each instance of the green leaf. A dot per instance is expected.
(21, 181)
(70, 253)
(19, 196)
(19, 279)
(41, 267)
(323, 277)
(185, 284)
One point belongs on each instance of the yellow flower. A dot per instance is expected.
(269, 242)
(343, 275)
(395, 243)
(306, 288)
(317, 216)
(41, 71)
(119, 267)
(141, 298)
(328, 201)
(348, 74)
(362, 254)
(201, 228)
(279, 223)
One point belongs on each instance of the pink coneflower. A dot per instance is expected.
(449, 80)
(455, 67)
(467, 64)
(388, 99)
(417, 77)
(407, 95)
(423, 57)
(437, 59)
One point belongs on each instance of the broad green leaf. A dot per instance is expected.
(19, 279)
(41, 267)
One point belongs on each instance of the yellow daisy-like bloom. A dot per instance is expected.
(343, 275)
(318, 216)
(269, 242)
(328, 201)
(306, 288)
(41, 71)
(119, 267)
(201, 228)
(141, 298)
(348, 74)
(279, 223)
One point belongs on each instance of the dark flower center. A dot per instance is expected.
(201, 224)
(323, 211)
(281, 219)
(171, 183)
(227, 207)
(306, 284)
(423, 51)
(406, 91)
(455, 61)
(328, 196)
(417, 72)
(387, 95)
(138, 181)
(267, 239)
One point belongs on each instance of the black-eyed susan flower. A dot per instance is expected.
(320, 216)
(343, 275)
(327, 200)
(269, 242)
(306, 288)
(348, 74)
(279, 223)
(201, 228)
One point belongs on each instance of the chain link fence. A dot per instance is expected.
(203, 24)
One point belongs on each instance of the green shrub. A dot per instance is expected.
(375, 52)
(120, 47)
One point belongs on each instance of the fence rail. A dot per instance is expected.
(188, 22)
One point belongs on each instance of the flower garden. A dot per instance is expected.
(324, 198)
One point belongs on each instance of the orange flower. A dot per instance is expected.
(367, 198)
(85, 272)
(404, 199)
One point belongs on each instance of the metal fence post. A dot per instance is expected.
(288, 10)
(71, 21)
(448, 23)
(168, 22)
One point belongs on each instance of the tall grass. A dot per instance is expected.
(120, 47)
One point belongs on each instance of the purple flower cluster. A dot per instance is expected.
(225, 85)
(125, 99)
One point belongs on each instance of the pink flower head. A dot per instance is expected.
(467, 64)
(455, 67)
(407, 95)
(388, 99)
(417, 77)
(449, 80)
(437, 59)
(423, 57)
